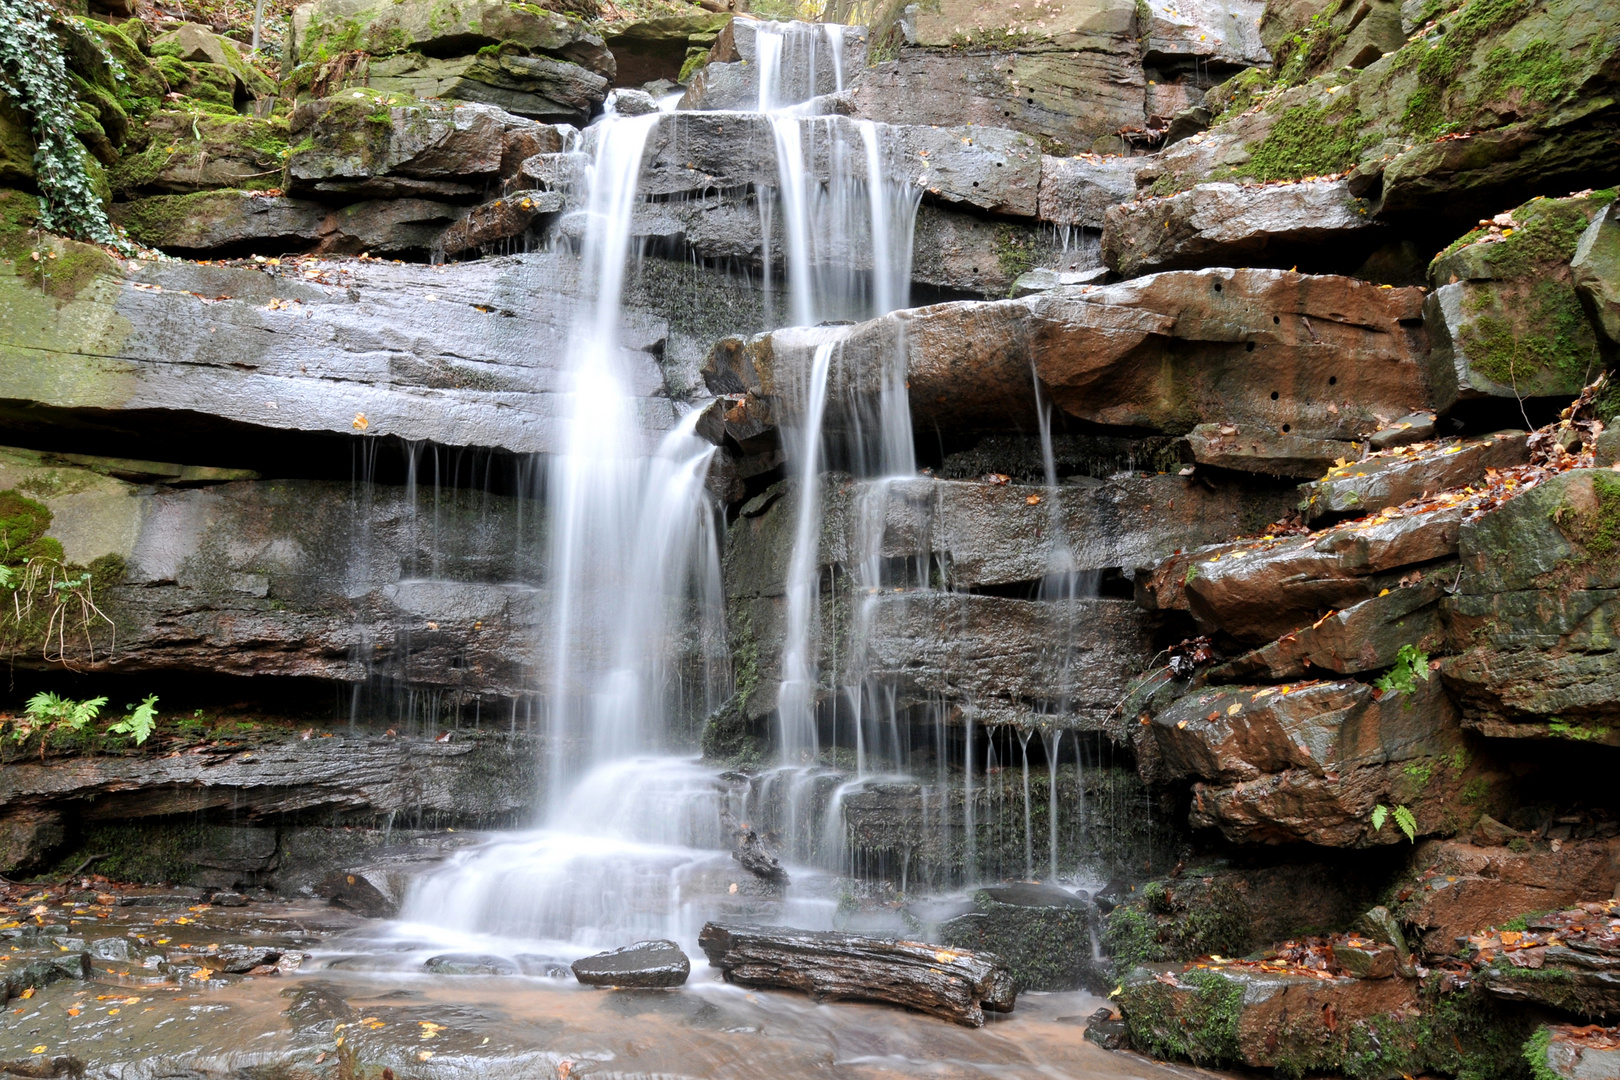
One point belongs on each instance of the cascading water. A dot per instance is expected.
(631, 838)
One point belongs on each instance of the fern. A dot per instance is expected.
(47, 713)
(140, 721)
(1405, 820)
(1411, 664)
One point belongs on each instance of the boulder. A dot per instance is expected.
(1236, 225)
(1266, 451)
(356, 145)
(1315, 356)
(1362, 637)
(469, 964)
(1079, 190)
(833, 967)
(322, 30)
(1392, 477)
(1310, 763)
(644, 964)
(1041, 932)
(195, 44)
(501, 220)
(1575, 1053)
(1456, 889)
(540, 88)
(1596, 271)
(1243, 1014)
(1383, 123)
(1533, 615)
(1418, 427)
(1507, 317)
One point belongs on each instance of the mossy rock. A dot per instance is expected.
(141, 89)
(16, 147)
(1514, 78)
(188, 152)
(326, 29)
(1512, 323)
(1178, 920)
(206, 87)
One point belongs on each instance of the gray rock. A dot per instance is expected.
(1041, 279)
(1231, 225)
(229, 222)
(1418, 427)
(110, 948)
(633, 103)
(1079, 190)
(644, 964)
(228, 899)
(339, 148)
(1596, 270)
(464, 356)
(537, 87)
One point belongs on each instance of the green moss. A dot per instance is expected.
(1307, 52)
(1550, 334)
(1563, 729)
(1240, 93)
(1015, 251)
(1472, 1036)
(1440, 60)
(1535, 1055)
(1308, 140)
(153, 853)
(1181, 921)
(1201, 1026)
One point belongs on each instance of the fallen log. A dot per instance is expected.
(830, 966)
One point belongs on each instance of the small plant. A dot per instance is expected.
(139, 722)
(47, 714)
(1411, 664)
(1404, 820)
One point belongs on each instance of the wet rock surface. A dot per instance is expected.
(1041, 932)
(647, 964)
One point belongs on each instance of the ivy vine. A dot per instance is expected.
(33, 74)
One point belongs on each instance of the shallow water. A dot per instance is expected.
(132, 1023)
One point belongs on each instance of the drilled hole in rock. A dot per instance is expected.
(1249, 347)
(1217, 286)
(1277, 319)
(1286, 429)
(1274, 395)
(1333, 380)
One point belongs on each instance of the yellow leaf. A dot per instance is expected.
(40, 1049)
(360, 421)
(26, 994)
(1233, 711)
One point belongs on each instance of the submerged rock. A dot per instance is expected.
(645, 964)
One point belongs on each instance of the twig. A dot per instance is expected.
(94, 858)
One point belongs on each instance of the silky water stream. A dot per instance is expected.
(636, 835)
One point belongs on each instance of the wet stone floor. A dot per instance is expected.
(177, 988)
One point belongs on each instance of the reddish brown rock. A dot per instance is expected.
(1460, 888)
(501, 219)
(1263, 450)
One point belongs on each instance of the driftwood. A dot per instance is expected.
(956, 985)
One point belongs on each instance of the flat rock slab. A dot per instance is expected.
(1328, 357)
(462, 356)
(646, 964)
(1245, 448)
(1392, 477)
(831, 966)
(1581, 1053)
(1079, 190)
(1231, 225)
